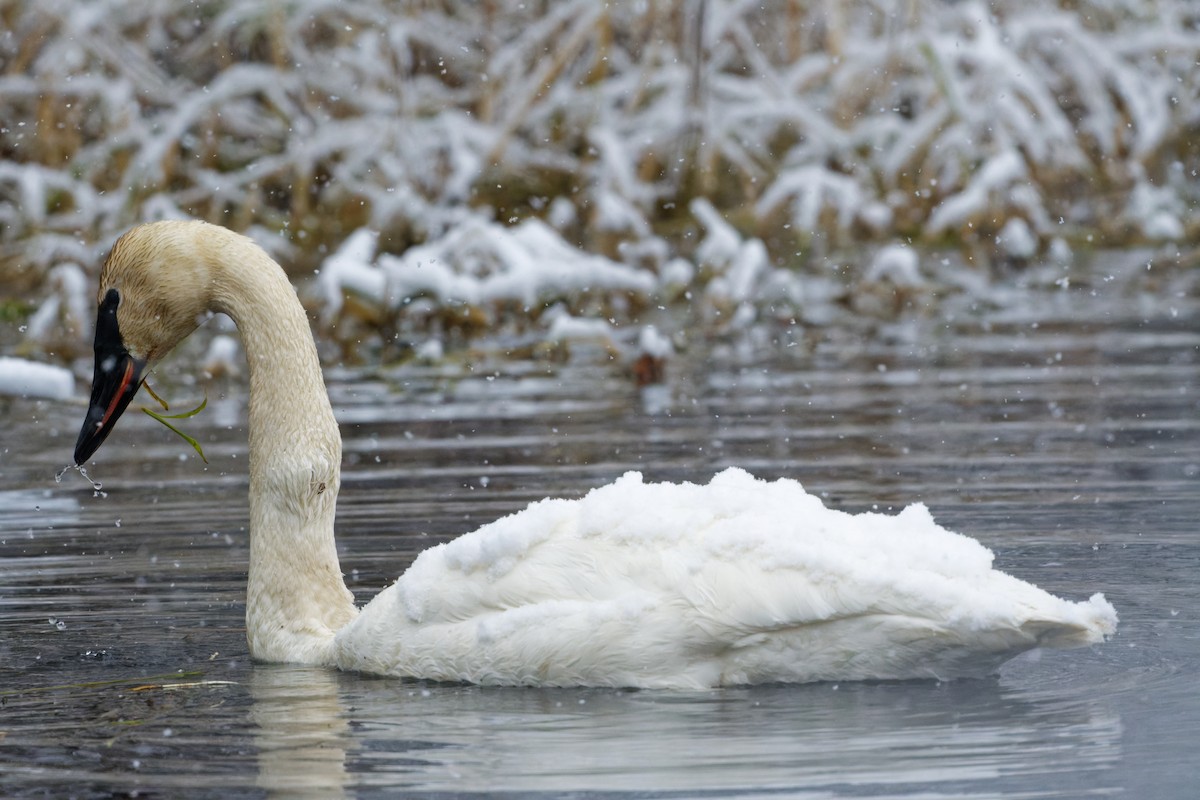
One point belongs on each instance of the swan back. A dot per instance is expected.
(688, 586)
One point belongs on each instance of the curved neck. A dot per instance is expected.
(296, 598)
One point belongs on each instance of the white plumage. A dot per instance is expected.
(637, 584)
(678, 585)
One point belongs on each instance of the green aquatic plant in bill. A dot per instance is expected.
(182, 415)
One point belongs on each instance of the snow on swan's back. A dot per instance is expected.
(739, 581)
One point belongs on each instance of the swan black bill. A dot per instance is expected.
(114, 383)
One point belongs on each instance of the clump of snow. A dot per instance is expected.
(1154, 211)
(897, 264)
(721, 243)
(677, 273)
(737, 266)
(1059, 251)
(996, 176)
(222, 357)
(1017, 240)
(742, 279)
(735, 513)
(562, 213)
(67, 310)
(1162, 226)
(431, 350)
(652, 342)
(22, 378)
(350, 270)
(478, 263)
(811, 190)
(563, 327)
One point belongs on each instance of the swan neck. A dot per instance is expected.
(296, 597)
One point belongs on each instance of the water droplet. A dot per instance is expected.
(96, 485)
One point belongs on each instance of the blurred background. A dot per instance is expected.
(436, 173)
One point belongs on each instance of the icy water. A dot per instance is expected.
(1059, 428)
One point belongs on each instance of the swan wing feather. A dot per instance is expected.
(738, 581)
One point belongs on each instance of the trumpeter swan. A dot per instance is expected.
(643, 585)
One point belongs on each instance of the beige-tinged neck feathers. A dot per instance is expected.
(159, 282)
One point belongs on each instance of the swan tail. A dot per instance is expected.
(1086, 623)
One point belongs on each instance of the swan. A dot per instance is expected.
(651, 585)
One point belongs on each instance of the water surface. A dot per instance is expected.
(1059, 428)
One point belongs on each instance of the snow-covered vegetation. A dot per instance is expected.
(458, 165)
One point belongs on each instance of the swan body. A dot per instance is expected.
(637, 584)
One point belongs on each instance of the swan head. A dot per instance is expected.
(155, 289)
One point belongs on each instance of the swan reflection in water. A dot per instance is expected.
(327, 734)
(302, 731)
